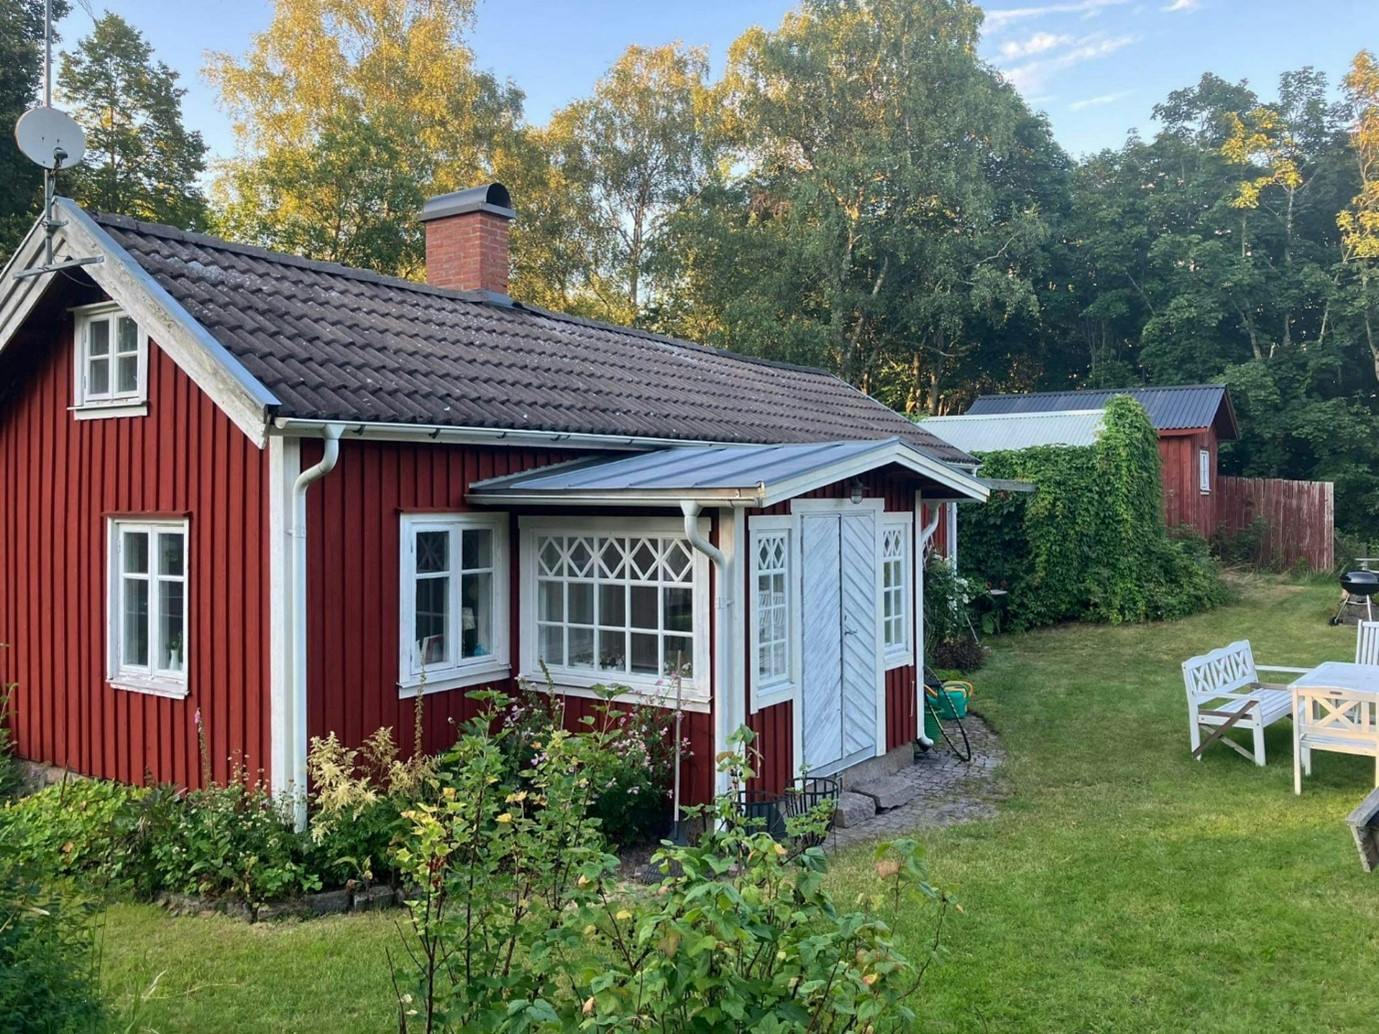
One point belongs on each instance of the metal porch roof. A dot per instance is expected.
(758, 475)
(998, 431)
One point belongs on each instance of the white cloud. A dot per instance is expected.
(1096, 102)
(999, 19)
(1033, 76)
(1036, 44)
(1181, 5)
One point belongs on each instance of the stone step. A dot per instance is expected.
(853, 810)
(888, 792)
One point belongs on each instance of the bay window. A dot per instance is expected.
(453, 600)
(615, 602)
(147, 628)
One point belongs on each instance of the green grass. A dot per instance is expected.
(1122, 887)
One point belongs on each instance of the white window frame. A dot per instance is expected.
(1204, 471)
(580, 682)
(112, 402)
(145, 678)
(779, 689)
(902, 654)
(496, 665)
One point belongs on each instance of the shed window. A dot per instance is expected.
(616, 604)
(453, 600)
(1204, 471)
(772, 607)
(148, 606)
(111, 360)
(897, 531)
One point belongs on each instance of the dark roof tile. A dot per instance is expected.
(346, 344)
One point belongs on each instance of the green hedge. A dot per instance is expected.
(1089, 543)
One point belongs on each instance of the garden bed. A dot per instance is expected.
(372, 898)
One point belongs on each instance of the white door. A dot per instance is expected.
(839, 656)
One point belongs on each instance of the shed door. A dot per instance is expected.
(840, 629)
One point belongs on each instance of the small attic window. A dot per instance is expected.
(111, 367)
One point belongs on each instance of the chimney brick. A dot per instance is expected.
(467, 239)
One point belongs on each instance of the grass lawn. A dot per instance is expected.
(1123, 887)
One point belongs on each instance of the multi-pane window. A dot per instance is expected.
(112, 356)
(771, 600)
(148, 605)
(895, 586)
(621, 607)
(452, 597)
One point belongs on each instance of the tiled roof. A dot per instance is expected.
(335, 343)
(1173, 408)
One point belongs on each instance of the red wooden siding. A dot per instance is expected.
(1184, 503)
(60, 479)
(1299, 514)
(353, 592)
(773, 725)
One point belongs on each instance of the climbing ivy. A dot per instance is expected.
(1089, 543)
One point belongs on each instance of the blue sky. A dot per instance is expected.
(1096, 66)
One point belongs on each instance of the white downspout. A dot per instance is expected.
(925, 534)
(723, 693)
(296, 616)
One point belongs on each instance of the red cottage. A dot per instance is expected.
(288, 496)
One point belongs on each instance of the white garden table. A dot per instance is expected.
(1335, 708)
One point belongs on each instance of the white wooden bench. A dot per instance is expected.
(1336, 708)
(1224, 692)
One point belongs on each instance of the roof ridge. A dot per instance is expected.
(1006, 416)
(474, 298)
(1098, 391)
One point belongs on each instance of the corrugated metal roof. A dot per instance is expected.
(716, 472)
(978, 433)
(1172, 408)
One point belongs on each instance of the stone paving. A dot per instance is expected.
(947, 791)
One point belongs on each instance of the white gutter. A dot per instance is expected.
(295, 616)
(399, 432)
(690, 509)
(724, 624)
(926, 533)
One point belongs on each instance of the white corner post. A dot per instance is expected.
(287, 562)
(923, 534)
(729, 650)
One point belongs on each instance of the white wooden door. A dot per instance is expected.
(839, 654)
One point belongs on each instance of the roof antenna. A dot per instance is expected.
(51, 139)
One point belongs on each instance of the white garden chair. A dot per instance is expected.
(1367, 642)
(1224, 693)
(1338, 719)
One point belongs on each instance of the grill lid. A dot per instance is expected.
(1360, 583)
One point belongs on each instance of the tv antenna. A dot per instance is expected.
(52, 140)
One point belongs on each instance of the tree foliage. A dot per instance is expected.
(140, 159)
(21, 77)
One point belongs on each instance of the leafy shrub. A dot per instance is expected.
(234, 840)
(1090, 542)
(965, 655)
(69, 829)
(48, 971)
(632, 800)
(520, 923)
(357, 803)
(948, 598)
(10, 782)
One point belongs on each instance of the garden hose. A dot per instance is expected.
(963, 753)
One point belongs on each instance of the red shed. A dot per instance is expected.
(285, 497)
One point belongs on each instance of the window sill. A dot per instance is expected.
(454, 679)
(770, 696)
(899, 659)
(154, 687)
(108, 410)
(574, 685)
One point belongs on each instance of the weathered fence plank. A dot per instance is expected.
(1300, 518)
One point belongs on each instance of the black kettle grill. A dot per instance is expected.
(1357, 588)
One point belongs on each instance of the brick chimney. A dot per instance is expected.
(467, 240)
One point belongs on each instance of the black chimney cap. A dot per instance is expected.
(490, 197)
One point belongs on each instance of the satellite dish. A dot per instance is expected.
(50, 138)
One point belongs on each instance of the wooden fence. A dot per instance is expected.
(1298, 518)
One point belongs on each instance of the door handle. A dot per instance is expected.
(849, 631)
